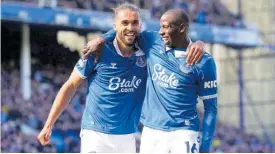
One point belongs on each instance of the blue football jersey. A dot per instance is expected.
(173, 87)
(115, 93)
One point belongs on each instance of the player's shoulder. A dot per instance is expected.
(150, 34)
(108, 46)
(206, 60)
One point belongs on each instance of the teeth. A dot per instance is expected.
(130, 34)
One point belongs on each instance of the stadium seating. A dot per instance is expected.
(200, 11)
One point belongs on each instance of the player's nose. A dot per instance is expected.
(161, 32)
(130, 27)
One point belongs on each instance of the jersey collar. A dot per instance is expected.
(168, 48)
(138, 52)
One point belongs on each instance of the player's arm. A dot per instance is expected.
(209, 123)
(208, 94)
(145, 40)
(95, 45)
(194, 51)
(80, 72)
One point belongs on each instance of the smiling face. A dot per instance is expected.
(173, 29)
(127, 25)
(168, 30)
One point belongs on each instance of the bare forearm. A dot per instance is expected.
(60, 103)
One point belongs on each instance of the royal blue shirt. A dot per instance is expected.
(116, 89)
(173, 88)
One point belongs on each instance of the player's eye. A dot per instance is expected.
(164, 26)
(136, 22)
(124, 23)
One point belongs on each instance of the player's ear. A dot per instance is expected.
(183, 28)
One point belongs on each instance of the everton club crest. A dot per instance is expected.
(185, 68)
(140, 61)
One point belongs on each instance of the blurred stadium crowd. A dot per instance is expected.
(200, 11)
(22, 120)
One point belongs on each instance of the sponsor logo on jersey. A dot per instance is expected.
(164, 79)
(124, 85)
(210, 84)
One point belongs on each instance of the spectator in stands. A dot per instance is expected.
(201, 11)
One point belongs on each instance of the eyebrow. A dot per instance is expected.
(129, 20)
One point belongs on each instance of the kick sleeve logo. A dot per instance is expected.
(210, 84)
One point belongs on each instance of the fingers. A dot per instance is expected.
(199, 58)
(44, 137)
(194, 53)
(85, 55)
(190, 55)
(85, 52)
(48, 134)
(44, 140)
(93, 46)
(96, 58)
(187, 54)
(196, 58)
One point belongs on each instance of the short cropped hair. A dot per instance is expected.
(124, 6)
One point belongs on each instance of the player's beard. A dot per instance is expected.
(126, 41)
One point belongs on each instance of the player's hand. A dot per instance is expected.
(44, 136)
(194, 52)
(94, 46)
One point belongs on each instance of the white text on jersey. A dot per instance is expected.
(163, 79)
(210, 84)
(123, 84)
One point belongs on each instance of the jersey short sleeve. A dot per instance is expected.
(85, 67)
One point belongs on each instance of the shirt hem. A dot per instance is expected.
(108, 131)
(169, 129)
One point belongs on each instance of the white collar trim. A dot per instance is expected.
(168, 48)
(137, 53)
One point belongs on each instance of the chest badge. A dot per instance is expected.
(185, 68)
(141, 61)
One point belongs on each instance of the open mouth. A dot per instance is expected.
(130, 35)
(165, 39)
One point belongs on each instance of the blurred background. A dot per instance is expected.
(41, 41)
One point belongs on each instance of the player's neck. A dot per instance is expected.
(183, 42)
(125, 50)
